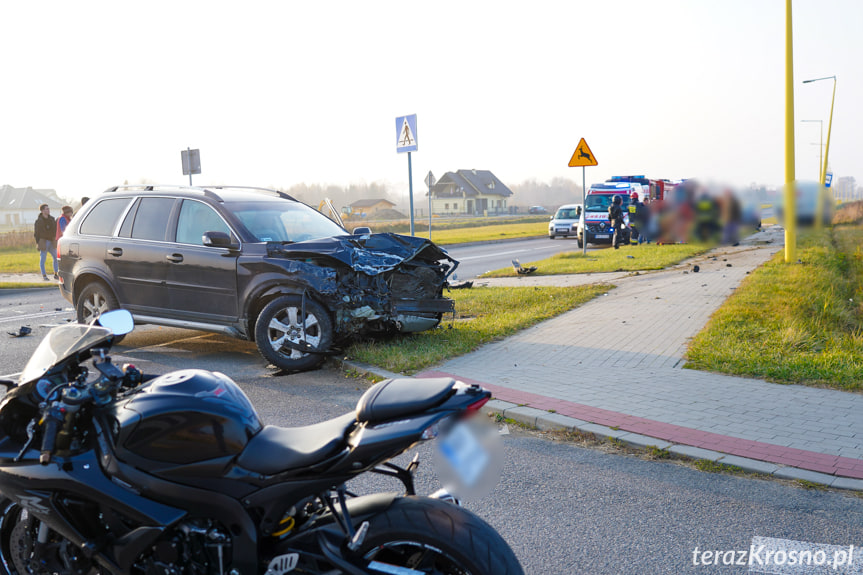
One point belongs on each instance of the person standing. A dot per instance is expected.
(45, 232)
(636, 219)
(62, 222)
(615, 218)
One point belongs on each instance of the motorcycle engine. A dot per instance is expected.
(195, 547)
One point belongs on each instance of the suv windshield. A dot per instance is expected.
(283, 221)
(600, 202)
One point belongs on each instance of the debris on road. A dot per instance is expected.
(522, 270)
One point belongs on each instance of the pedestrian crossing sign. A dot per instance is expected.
(582, 156)
(406, 133)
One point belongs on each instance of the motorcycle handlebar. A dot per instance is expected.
(53, 417)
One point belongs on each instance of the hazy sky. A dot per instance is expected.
(280, 93)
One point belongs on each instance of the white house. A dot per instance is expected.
(19, 207)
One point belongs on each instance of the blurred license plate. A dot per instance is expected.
(601, 236)
(465, 454)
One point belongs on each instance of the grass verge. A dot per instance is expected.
(794, 323)
(20, 260)
(27, 285)
(469, 226)
(486, 233)
(483, 315)
(628, 258)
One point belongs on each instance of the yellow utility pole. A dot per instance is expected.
(829, 126)
(819, 207)
(790, 207)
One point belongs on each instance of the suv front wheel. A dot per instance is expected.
(287, 326)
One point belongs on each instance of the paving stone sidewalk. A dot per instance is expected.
(614, 367)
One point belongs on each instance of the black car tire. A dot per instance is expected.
(96, 299)
(281, 321)
(551, 236)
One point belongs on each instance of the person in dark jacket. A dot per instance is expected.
(615, 218)
(44, 232)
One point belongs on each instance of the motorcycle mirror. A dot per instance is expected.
(119, 321)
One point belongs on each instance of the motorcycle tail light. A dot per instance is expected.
(474, 407)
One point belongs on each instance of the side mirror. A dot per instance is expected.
(119, 321)
(219, 240)
(550, 217)
(362, 231)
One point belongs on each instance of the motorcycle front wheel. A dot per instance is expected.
(19, 532)
(431, 536)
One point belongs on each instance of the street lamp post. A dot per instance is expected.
(821, 144)
(829, 125)
(819, 207)
(790, 204)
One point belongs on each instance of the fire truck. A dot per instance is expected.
(657, 189)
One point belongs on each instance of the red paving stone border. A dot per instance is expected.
(792, 457)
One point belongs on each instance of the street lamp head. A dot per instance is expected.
(817, 79)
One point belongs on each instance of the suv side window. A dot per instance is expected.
(151, 221)
(103, 217)
(195, 219)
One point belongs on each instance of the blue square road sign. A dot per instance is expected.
(406, 133)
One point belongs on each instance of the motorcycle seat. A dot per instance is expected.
(276, 449)
(394, 398)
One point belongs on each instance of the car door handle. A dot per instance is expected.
(176, 258)
(116, 252)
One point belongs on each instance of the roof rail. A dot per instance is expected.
(206, 190)
(164, 187)
(256, 189)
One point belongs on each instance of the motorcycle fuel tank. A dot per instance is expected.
(186, 417)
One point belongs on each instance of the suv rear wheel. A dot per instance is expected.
(95, 299)
(283, 330)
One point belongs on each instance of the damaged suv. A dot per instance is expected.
(252, 263)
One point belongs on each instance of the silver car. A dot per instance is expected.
(565, 221)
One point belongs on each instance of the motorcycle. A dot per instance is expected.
(105, 470)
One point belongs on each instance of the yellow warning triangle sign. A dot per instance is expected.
(582, 156)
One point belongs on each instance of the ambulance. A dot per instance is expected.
(597, 228)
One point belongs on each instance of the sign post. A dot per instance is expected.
(582, 156)
(406, 141)
(430, 182)
(191, 162)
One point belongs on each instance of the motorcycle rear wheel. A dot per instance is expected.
(18, 534)
(435, 537)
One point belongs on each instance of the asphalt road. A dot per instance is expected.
(563, 508)
(476, 259)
